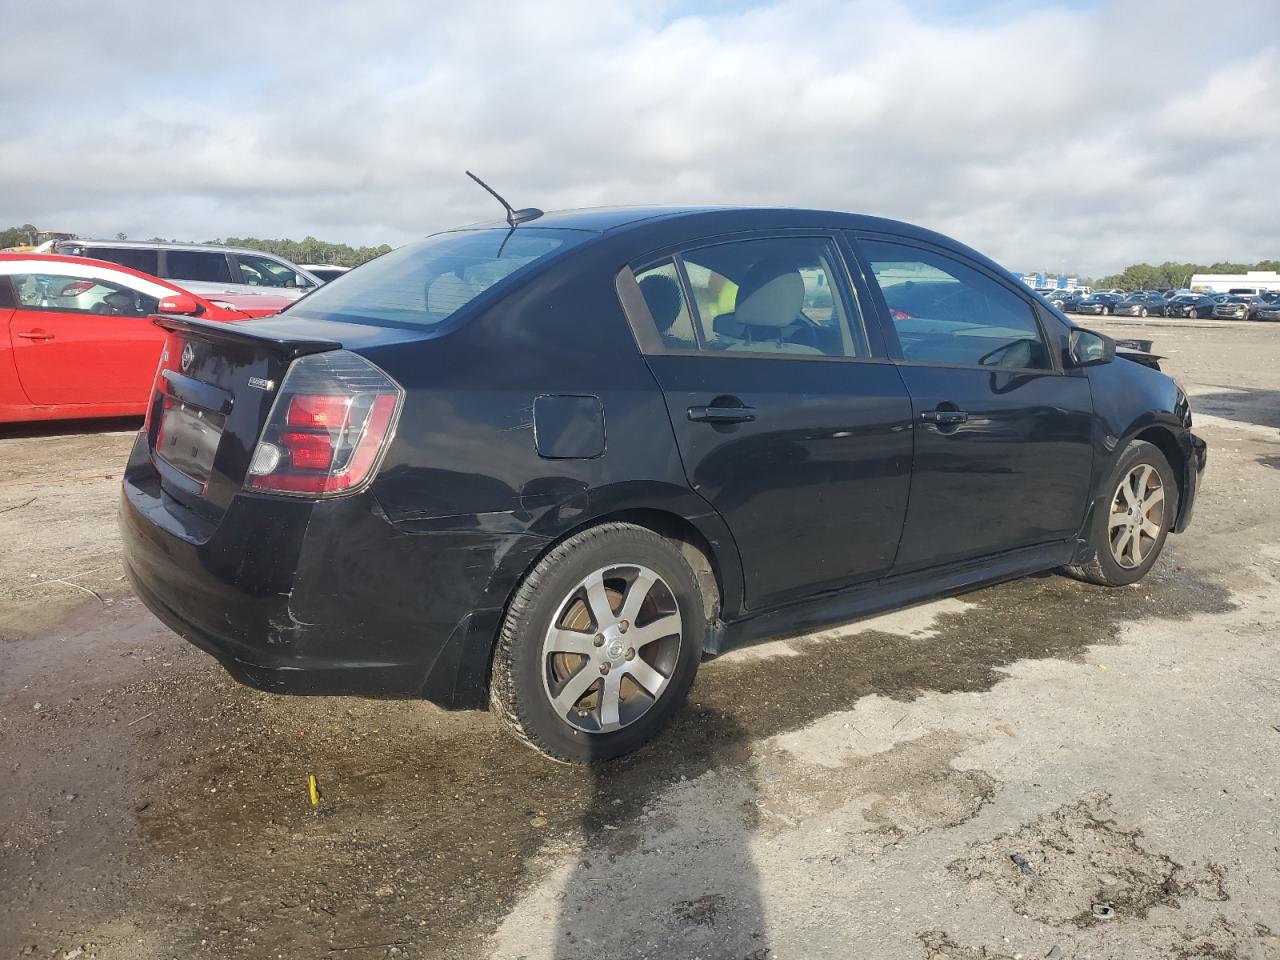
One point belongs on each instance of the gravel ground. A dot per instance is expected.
(1040, 769)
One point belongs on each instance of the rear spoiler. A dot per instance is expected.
(1139, 351)
(271, 337)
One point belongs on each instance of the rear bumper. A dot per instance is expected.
(324, 597)
(1196, 456)
(299, 672)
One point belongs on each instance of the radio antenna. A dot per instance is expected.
(514, 217)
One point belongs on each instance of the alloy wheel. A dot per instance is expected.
(612, 648)
(1137, 516)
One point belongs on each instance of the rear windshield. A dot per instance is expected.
(423, 284)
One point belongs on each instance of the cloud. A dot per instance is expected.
(1078, 136)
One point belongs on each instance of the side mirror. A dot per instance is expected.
(179, 303)
(1088, 349)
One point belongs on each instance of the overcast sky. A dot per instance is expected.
(1077, 135)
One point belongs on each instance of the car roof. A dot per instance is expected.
(609, 219)
(676, 224)
(169, 245)
(596, 219)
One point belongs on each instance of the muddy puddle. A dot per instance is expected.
(430, 824)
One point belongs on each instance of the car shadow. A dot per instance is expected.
(1254, 405)
(70, 428)
(606, 907)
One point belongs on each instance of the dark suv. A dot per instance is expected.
(550, 467)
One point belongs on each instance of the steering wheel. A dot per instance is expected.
(803, 329)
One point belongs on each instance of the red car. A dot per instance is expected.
(76, 338)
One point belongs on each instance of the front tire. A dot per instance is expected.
(599, 646)
(1132, 518)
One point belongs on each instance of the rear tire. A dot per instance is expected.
(599, 646)
(1131, 518)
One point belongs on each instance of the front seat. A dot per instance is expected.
(769, 301)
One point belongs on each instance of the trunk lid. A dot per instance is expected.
(212, 395)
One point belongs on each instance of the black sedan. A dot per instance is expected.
(1141, 304)
(550, 465)
(1064, 300)
(1098, 304)
(1191, 306)
(1268, 310)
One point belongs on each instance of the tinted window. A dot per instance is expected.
(770, 296)
(7, 298)
(199, 265)
(265, 272)
(425, 283)
(948, 312)
(660, 287)
(145, 261)
(45, 291)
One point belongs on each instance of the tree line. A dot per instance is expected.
(306, 250)
(309, 250)
(1171, 275)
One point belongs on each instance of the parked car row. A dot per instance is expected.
(76, 338)
(1169, 303)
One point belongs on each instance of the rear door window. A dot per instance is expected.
(663, 294)
(776, 296)
(144, 261)
(945, 311)
(203, 266)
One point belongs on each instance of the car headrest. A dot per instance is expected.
(662, 294)
(770, 295)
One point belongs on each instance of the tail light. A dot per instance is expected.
(331, 422)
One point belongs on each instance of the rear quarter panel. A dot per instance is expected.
(465, 457)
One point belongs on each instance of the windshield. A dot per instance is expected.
(423, 284)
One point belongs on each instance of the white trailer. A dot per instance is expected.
(1255, 281)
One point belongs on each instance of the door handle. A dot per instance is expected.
(944, 417)
(714, 414)
(34, 335)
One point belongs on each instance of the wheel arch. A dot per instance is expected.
(1163, 439)
(677, 514)
(1166, 439)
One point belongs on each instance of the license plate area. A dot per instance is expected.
(188, 439)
